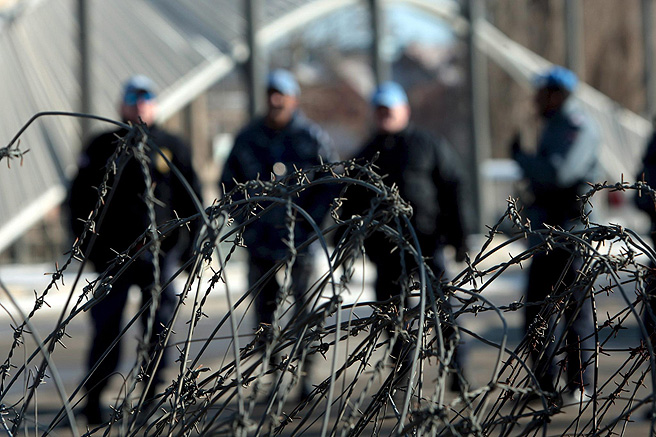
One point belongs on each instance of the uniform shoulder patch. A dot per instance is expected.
(160, 163)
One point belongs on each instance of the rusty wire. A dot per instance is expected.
(250, 389)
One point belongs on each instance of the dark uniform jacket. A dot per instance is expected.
(429, 176)
(126, 217)
(647, 173)
(259, 152)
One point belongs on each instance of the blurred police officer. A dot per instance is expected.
(275, 145)
(565, 159)
(125, 218)
(428, 174)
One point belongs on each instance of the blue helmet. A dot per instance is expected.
(284, 82)
(389, 94)
(557, 77)
(137, 88)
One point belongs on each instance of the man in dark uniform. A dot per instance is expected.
(126, 217)
(566, 158)
(645, 202)
(274, 146)
(429, 176)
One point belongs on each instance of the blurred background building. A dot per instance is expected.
(467, 66)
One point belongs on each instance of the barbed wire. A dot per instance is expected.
(247, 385)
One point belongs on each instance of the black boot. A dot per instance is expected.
(92, 411)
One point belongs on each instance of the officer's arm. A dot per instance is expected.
(327, 150)
(232, 168)
(183, 161)
(576, 164)
(322, 195)
(537, 169)
(83, 192)
(454, 197)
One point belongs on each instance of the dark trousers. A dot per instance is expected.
(266, 301)
(577, 321)
(107, 319)
(387, 285)
(389, 268)
(269, 290)
(649, 316)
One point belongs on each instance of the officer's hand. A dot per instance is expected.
(516, 145)
(461, 253)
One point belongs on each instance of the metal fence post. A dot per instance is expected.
(84, 67)
(255, 63)
(480, 125)
(381, 66)
(574, 57)
(648, 72)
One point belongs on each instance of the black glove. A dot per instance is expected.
(461, 253)
(516, 145)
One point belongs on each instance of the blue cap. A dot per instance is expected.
(389, 94)
(137, 88)
(284, 82)
(557, 77)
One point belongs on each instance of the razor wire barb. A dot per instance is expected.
(231, 378)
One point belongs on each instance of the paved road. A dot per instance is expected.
(480, 363)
